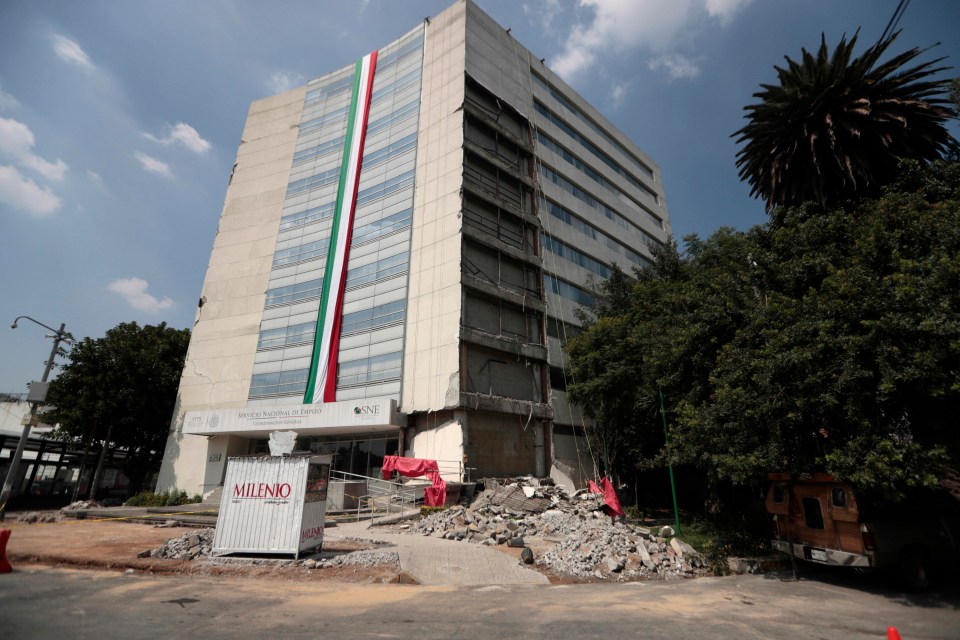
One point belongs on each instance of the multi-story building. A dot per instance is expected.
(402, 247)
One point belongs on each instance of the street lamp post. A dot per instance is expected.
(59, 335)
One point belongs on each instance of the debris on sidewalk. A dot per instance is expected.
(35, 517)
(196, 545)
(80, 505)
(583, 541)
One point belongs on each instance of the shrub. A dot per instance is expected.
(171, 498)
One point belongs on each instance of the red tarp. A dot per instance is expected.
(434, 496)
(610, 498)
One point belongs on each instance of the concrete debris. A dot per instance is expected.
(34, 517)
(526, 555)
(196, 545)
(189, 546)
(574, 535)
(81, 504)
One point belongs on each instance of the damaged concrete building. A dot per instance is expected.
(402, 248)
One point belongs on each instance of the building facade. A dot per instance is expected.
(401, 251)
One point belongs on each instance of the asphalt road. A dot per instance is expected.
(40, 602)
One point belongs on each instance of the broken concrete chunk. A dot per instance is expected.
(667, 532)
(526, 555)
(515, 542)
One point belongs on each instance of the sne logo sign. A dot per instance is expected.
(367, 411)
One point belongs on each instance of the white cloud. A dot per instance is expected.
(95, 178)
(134, 291)
(7, 101)
(725, 9)
(16, 143)
(69, 51)
(50, 170)
(153, 165)
(185, 135)
(617, 93)
(676, 65)
(16, 139)
(657, 26)
(282, 80)
(24, 193)
(543, 14)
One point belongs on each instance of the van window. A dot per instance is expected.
(779, 492)
(839, 496)
(812, 513)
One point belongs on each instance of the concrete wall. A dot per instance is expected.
(432, 349)
(224, 341)
(442, 442)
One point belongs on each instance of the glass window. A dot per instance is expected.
(812, 513)
(556, 95)
(378, 316)
(372, 369)
(567, 290)
(294, 292)
(285, 336)
(306, 217)
(382, 227)
(839, 497)
(279, 383)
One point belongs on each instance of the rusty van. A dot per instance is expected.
(820, 520)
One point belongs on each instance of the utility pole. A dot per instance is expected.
(59, 335)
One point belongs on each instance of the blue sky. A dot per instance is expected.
(119, 121)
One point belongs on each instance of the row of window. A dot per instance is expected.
(287, 336)
(401, 53)
(322, 121)
(378, 270)
(585, 197)
(569, 253)
(559, 122)
(336, 145)
(280, 383)
(372, 369)
(556, 95)
(317, 94)
(384, 189)
(573, 160)
(309, 216)
(300, 253)
(315, 181)
(589, 230)
(364, 320)
(364, 371)
(566, 290)
(294, 292)
(375, 317)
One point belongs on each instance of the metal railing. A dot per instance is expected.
(384, 497)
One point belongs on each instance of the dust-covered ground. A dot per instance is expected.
(116, 544)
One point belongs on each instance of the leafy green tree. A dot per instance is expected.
(120, 390)
(836, 126)
(825, 340)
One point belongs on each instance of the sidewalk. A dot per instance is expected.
(433, 561)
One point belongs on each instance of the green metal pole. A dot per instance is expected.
(673, 487)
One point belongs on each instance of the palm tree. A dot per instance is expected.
(836, 127)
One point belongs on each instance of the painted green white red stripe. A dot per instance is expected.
(322, 383)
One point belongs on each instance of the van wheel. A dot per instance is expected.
(913, 570)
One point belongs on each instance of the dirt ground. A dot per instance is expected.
(114, 545)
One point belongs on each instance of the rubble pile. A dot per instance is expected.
(354, 559)
(79, 505)
(583, 541)
(34, 517)
(190, 545)
(197, 544)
